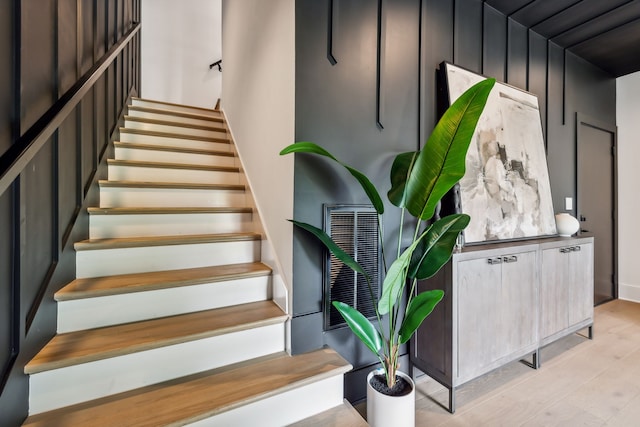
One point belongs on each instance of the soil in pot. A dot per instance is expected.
(400, 388)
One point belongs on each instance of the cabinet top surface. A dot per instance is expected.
(521, 245)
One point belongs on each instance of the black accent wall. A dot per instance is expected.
(359, 62)
(46, 46)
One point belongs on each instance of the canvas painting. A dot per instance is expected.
(506, 188)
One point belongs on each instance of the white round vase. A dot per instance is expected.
(385, 411)
(566, 224)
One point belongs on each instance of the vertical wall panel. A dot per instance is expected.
(119, 87)
(87, 46)
(69, 191)
(517, 58)
(100, 118)
(6, 74)
(111, 22)
(67, 42)
(101, 27)
(538, 73)
(560, 156)
(37, 59)
(38, 226)
(111, 96)
(467, 48)
(494, 52)
(119, 18)
(436, 46)
(87, 137)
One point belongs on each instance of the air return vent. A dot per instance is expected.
(355, 229)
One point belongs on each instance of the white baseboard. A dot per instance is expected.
(629, 292)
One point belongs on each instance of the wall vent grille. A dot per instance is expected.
(355, 229)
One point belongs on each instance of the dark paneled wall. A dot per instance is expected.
(46, 47)
(336, 106)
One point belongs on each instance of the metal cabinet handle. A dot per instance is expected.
(570, 249)
(494, 260)
(576, 249)
(511, 258)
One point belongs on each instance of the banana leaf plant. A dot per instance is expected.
(418, 181)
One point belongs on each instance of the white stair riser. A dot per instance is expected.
(283, 408)
(88, 313)
(170, 197)
(142, 155)
(181, 130)
(180, 108)
(174, 142)
(148, 225)
(107, 262)
(79, 383)
(188, 176)
(172, 118)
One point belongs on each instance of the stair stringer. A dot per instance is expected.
(280, 291)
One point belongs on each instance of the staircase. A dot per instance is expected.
(170, 320)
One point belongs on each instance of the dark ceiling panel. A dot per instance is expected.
(508, 6)
(615, 50)
(600, 25)
(576, 15)
(541, 10)
(603, 32)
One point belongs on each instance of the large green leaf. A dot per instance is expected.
(331, 245)
(419, 308)
(435, 248)
(400, 171)
(361, 326)
(441, 163)
(395, 279)
(367, 186)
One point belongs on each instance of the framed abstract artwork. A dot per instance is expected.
(506, 188)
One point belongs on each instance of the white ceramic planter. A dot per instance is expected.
(566, 224)
(385, 411)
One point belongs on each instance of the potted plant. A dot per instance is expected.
(418, 181)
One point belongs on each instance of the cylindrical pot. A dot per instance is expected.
(396, 411)
(566, 224)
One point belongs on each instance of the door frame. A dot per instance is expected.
(586, 120)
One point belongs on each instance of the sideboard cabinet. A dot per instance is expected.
(502, 303)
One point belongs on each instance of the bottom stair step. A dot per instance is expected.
(343, 415)
(274, 390)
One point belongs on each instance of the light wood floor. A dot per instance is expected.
(580, 383)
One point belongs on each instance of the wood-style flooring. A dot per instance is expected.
(580, 383)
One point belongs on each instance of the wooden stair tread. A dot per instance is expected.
(198, 396)
(136, 282)
(175, 135)
(174, 124)
(177, 113)
(343, 415)
(133, 242)
(166, 211)
(150, 147)
(163, 165)
(208, 110)
(172, 185)
(96, 344)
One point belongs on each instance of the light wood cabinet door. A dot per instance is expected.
(580, 280)
(496, 311)
(566, 288)
(554, 292)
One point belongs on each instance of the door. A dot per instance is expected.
(596, 188)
